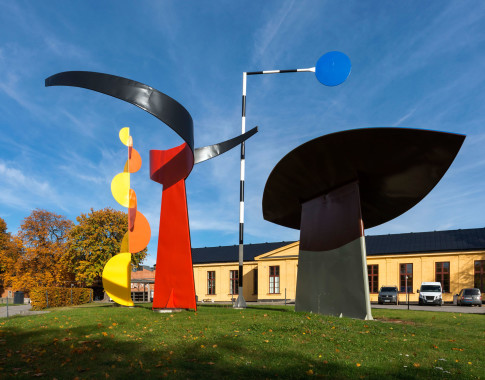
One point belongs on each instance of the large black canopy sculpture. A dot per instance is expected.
(174, 278)
(331, 187)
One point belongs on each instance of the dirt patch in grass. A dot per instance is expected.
(395, 320)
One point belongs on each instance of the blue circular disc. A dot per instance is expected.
(333, 68)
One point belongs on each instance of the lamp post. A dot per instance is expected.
(331, 69)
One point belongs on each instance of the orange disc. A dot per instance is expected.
(134, 162)
(140, 236)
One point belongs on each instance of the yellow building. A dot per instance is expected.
(456, 258)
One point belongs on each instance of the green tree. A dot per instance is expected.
(94, 240)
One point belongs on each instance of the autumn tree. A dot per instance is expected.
(10, 262)
(4, 239)
(34, 256)
(94, 240)
(10, 252)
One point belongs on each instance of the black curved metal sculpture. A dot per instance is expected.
(210, 151)
(331, 187)
(396, 168)
(149, 99)
(174, 278)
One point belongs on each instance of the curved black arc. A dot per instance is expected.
(207, 152)
(162, 106)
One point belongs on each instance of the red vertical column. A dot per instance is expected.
(174, 276)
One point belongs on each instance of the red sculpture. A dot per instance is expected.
(174, 277)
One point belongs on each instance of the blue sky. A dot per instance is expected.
(414, 64)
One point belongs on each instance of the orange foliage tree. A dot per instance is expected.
(10, 253)
(93, 241)
(4, 242)
(34, 257)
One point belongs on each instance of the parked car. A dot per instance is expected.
(469, 296)
(430, 293)
(388, 294)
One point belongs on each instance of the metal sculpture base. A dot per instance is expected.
(168, 310)
(332, 268)
(240, 302)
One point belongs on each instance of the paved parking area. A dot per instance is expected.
(444, 308)
(18, 310)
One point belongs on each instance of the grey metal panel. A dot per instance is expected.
(332, 282)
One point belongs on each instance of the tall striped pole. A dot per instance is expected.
(240, 302)
(332, 69)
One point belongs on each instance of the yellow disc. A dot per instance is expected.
(125, 243)
(117, 279)
(120, 188)
(125, 135)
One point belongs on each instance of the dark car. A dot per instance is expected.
(388, 294)
(469, 296)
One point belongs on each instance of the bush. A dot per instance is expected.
(59, 297)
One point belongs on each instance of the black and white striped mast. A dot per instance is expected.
(240, 302)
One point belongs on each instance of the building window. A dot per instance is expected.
(373, 273)
(255, 281)
(442, 274)
(274, 279)
(234, 281)
(480, 275)
(211, 282)
(406, 270)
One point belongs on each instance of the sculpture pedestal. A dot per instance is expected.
(332, 267)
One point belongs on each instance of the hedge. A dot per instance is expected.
(41, 298)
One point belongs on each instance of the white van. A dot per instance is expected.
(430, 293)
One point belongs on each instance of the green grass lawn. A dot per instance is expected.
(101, 341)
